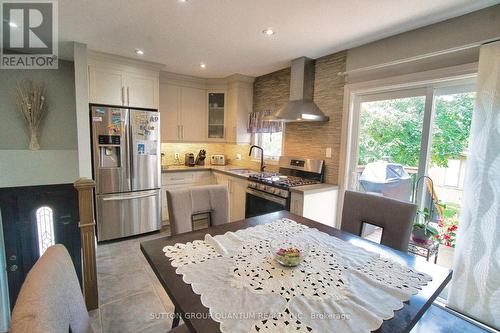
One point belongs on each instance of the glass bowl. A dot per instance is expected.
(288, 252)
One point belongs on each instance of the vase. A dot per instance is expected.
(34, 141)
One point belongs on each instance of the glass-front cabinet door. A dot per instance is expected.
(216, 115)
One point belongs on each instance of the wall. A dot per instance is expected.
(468, 29)
(56, 161)
(310, 140)
(82, 110)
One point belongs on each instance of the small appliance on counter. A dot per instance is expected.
(189, 160)
(200, 159)
(218, 160)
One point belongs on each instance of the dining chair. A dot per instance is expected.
(184, 203)
(393, 216)
(50, 299)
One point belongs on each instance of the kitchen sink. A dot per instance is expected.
(242, 171)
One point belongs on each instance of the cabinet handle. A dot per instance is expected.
(128, 96)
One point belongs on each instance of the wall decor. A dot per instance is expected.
(31, 102)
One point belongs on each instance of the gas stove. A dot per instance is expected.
(293, 172)
(281, 181)
(269, 192)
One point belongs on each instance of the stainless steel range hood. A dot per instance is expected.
(301, 107)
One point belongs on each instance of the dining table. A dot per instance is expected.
(186, 301)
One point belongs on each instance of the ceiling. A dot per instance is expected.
(227, 35)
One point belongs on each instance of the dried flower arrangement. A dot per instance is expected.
(30, 98)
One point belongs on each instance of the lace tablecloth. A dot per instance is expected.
(337, 288)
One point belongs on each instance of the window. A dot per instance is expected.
(271, 143)
(45, 228)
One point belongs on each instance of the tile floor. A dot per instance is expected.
(129, 292)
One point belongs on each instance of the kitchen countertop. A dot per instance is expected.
(226, 169)
(315, 188)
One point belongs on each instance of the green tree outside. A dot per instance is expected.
(393, 128)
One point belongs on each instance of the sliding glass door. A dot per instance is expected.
(388, 145)
(401, 136)
(453, 108)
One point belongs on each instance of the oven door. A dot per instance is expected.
(260, 203)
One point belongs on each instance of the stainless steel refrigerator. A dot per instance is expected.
(126, 161)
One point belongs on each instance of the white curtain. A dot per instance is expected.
(475, 288)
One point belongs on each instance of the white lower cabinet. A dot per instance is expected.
(237, 195)
(320, 206)
(237, 199)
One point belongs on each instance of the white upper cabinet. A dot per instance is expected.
(239, 105)
(142, 90)
(193, 114)
(183, 113)
(203, 110)
(216, 124)
(170, 112)
(123, 82)
(106, 86)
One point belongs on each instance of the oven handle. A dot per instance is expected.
(266, 196)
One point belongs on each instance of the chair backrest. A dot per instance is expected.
(50, 299)
(184, 203)
(394, 216)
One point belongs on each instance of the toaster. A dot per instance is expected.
(218, 159)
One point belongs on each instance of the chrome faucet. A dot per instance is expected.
(262, 166)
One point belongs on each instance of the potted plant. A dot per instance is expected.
(422, 230)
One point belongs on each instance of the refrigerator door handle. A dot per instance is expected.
(123, 95)
(128, 96)
(131, 150)
(129, 196)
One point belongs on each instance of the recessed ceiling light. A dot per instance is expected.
(12, 24)
(139, 51)
(203, 65)
(268, 32)
(183, 0)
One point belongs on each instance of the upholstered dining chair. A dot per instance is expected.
(393, 216)
(184, 203)
(50, 299)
